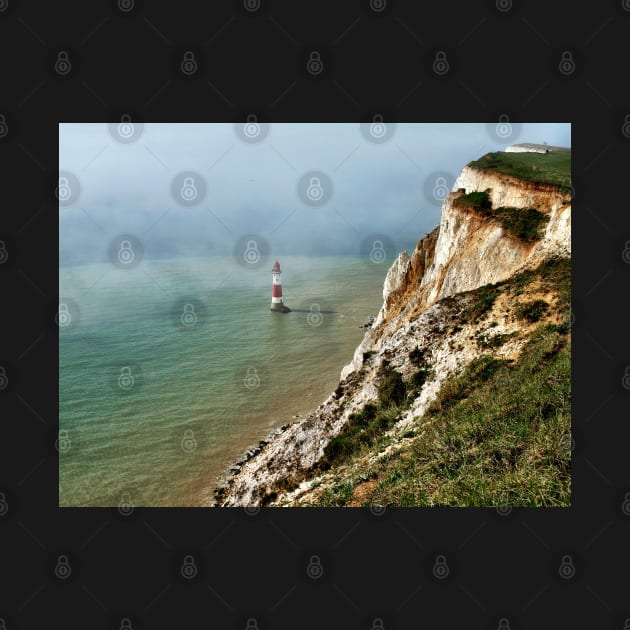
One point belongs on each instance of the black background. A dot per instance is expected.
(252, 565)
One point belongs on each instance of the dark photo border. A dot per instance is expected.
(361, 568)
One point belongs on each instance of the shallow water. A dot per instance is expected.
(170, 370)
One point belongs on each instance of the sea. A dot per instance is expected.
(171, 369)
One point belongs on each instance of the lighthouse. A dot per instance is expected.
(276, 290)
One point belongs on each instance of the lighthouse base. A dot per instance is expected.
(279, 307)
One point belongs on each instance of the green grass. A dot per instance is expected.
(454, 390)
(524, 223)
(365, 428)
(419, 377)
(416, 356)
(484, 298)
(544, 168)
(476, 199)
(362, 430)
(494, 341)
(554, 274)
(336, 496)
(532, 311)
(392, 390)
(498, 434)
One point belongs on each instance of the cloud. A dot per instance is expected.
(252, 188)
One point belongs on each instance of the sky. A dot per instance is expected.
(307, 188)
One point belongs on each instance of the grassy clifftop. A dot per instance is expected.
(541, 168)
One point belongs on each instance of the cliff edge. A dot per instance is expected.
(503, 244)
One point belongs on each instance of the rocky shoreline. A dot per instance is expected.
(220, 492)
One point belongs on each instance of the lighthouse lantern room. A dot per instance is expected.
(276, 290)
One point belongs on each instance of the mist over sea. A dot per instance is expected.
(170, 370)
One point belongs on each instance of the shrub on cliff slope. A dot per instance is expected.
(476, 199)
(416, 356)
(419, 377)
(362, 430)
(524, 223)
(532, 311)
(392, 390)
(365, 427)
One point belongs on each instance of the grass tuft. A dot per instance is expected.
(531, 311)
(476, 200)
(483, 302)
(392, 390)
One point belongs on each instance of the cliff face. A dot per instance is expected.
(466, 251)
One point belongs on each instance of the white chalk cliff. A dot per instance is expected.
(467, 250)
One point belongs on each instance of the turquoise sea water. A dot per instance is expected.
(170, 370)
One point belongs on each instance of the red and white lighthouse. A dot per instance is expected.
(276, 290)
